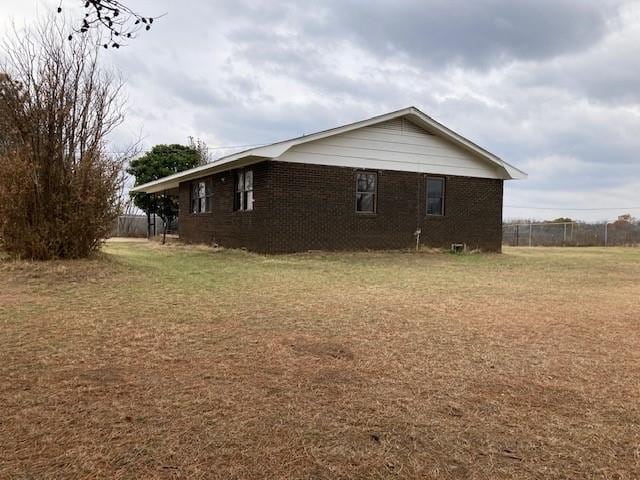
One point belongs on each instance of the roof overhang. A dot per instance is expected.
(425, 121)
(273, 151)
(173, 181)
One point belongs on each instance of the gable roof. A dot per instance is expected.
(275, 150)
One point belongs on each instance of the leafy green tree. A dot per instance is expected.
(161, 161)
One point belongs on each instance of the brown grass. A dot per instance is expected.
(177, 362)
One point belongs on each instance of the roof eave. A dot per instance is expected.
(276, 149)
(173, 181)
(512, 173)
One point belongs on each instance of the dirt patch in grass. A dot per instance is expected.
(322, 349)
(179, 362)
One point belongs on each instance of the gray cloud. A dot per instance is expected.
(478, 34)
(549, 85)
(438, 33)
(609, 73)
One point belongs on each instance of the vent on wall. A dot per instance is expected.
(458, 247)
(403, 126)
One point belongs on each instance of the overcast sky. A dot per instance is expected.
(551, 86)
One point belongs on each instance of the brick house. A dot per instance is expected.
(373, 184)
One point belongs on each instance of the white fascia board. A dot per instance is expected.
(275, 150)
(512, 172)
(231, 161)
(515, 173)
(173, 181)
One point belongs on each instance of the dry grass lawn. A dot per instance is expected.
(182, 362)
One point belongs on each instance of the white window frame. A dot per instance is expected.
(374, 193)
(243, 196)
(201, 196)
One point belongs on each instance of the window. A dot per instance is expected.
(201, 197)
(435, 196)
(243, 198)
(366, 190)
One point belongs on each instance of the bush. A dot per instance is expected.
(59, 187)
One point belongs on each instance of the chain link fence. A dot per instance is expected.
(545, 234)
(137, 225)
(576, 234)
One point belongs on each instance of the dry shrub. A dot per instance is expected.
(59, 187)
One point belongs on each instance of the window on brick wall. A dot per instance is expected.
(201, 196)
(243, 196)
(366, 192)
(435, 196)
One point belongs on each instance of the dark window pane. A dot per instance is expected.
(435, 187)
(365, 202)
(434, 206)
(366, 182)
(237, 201)
(371, 183)
(435, 196)
(362, 183)
(194, 198)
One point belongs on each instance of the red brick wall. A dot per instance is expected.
(307, 207)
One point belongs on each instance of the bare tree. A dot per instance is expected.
(59, 187)
(115, 18)
(201, 147)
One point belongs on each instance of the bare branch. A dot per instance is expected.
(114, 17)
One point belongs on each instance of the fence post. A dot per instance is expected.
(564, 235)
(572, 224)
(530, 229)
(606, 233)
